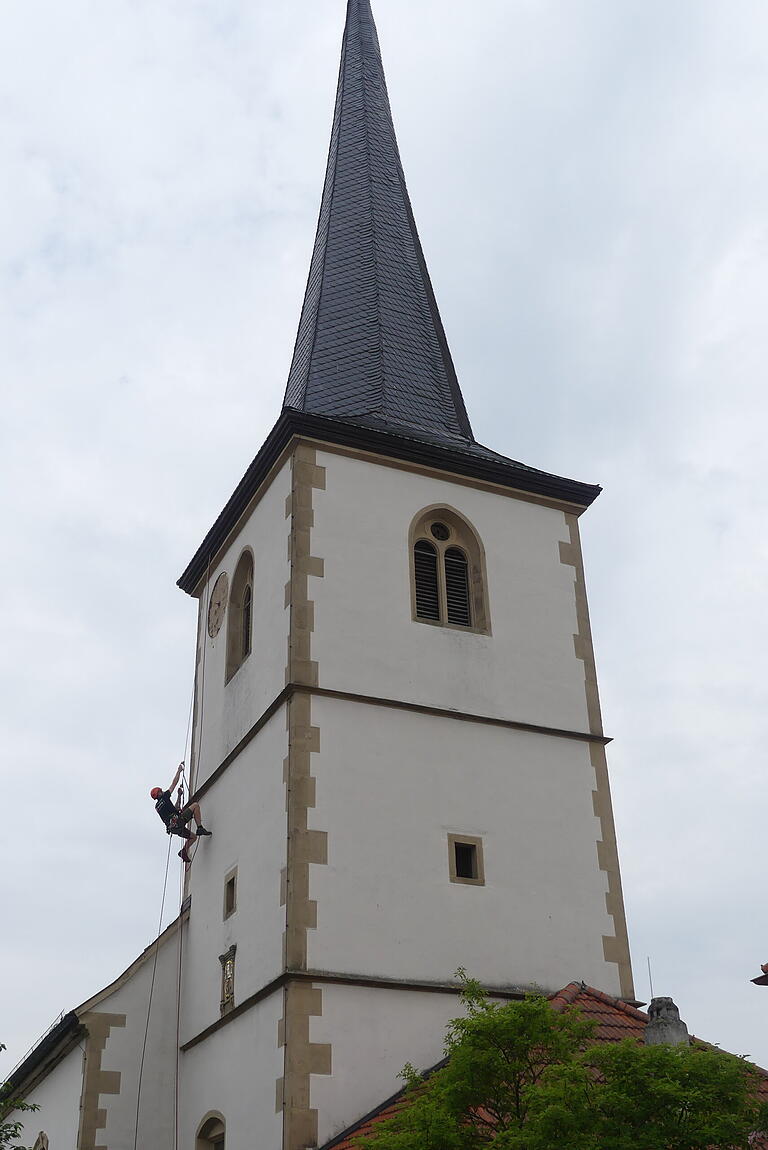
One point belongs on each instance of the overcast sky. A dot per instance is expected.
(590, 180)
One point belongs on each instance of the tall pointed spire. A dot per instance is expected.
(371, 368)
(371, 346)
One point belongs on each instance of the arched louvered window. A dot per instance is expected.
(448, 581)
(425, 578)
(240, 615)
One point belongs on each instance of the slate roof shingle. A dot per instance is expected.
(371, 343)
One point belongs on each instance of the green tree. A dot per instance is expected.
(10, 1132)
(522, 1076)
(623, 1096)
(497, 1054)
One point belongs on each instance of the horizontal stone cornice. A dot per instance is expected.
(395, 704)
(336, 978)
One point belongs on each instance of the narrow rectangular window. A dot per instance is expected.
(230, 892)
(457, 588)
(465, 860)
(425, 578)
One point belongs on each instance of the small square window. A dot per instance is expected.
(230, 892)
(465, 860)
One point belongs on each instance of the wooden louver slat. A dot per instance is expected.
(425, 575)
(457, 588)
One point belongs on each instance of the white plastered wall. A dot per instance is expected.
(234, 1069)
(230, 709)
(365, 640)
(234, 1072)
(391, 786)
(374, 1033)
(123, 1053)
(245, 810)
(58, 1097)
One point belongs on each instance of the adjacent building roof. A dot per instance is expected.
(371, 344)
(614, 1020)
(65, 1033)
(55, 1044)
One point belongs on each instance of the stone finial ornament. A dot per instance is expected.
(665, 1025)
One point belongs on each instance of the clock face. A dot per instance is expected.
(218, 604)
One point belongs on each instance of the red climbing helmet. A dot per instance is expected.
(156, 792)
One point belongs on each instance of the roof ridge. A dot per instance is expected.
(380, 326)
(567, 995)
(617, 1003)
(332, 195)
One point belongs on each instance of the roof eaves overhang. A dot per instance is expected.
(398, 1096)
(148, 953)
(57, 1043)
(394, 444)
(67, 1032)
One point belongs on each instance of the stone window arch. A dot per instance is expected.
(212, 1132)
(41, 1142)
(448, 579)
(240, 614)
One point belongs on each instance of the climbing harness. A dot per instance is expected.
(173, 822)
(173, 826)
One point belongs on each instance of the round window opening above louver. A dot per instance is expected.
(440, 531)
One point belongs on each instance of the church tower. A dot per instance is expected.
(397, 733)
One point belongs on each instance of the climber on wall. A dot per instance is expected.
(175, 816)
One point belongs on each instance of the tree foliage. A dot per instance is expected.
(624, 1096)
(10, 1132)
(522, 1076)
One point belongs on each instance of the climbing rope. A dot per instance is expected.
(196, 758)
(185, 783)
(178, 1025)
(151, 993)
(189, 723)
